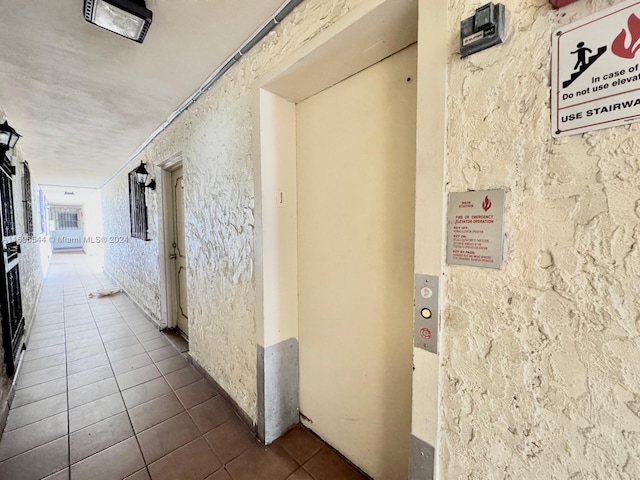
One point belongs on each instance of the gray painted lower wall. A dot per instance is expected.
(422, 460)
(278, 389)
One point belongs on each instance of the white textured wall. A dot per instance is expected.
(35, 253)
(32, 261)
(540, 359)
(215, 137)
(92, 223)
(133, 264)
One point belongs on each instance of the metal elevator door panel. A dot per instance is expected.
(356, 194)
(10, 295)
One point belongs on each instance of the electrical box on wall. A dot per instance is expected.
(484, 29)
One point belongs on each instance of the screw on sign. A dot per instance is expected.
(425, 333)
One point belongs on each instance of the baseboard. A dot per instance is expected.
(244, 416)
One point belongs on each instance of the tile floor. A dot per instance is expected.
(101, 394)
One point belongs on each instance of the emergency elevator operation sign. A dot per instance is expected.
(595, 79)
(475, 228)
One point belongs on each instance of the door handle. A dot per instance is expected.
(173, 256)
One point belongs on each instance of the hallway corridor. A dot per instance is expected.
(102, 395)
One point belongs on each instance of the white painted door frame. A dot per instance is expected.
(165, 226)
(365, 36)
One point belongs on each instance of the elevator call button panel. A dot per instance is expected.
(426, 313)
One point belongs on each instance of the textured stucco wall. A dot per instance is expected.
(35, 252)
(133, 263)
(540, 360)
(215, 138)
(33, 261)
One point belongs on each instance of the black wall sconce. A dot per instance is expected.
(128, 18)
(142, 175)
(8, 137)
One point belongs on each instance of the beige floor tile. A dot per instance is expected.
(147, 391)
(99, 436)
(87, 363)
(116, 462)
(155, 411)
(211, 414)
(268, 463)
(231, 439)
(88, 377)
(33, 354)
(90, 413)
(183, 377)
(42, 363)
(130, 351)
(194, 461)
(92, 392)
(39, 392)
(37, 463)
(41, 376)
(33, 412)
(166, 437)
(137, 377)
(163, 353)
(219, 475)
(139, 475)
(33, 435)
(196, 393)
(171, 364)
(61, 475)
(131, 363)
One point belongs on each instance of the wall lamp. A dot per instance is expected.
(8, 137)
(129, 18)
(142, 175)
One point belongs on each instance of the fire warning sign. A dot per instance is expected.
(475, 228)
(595, 76)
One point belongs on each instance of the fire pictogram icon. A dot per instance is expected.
(626, 45)
(486, 205)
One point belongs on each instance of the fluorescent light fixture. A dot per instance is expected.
(129, 18)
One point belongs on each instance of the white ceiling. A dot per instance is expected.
(84, 99)
(74, 196)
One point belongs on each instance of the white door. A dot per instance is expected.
(356, 179)
(178, 252)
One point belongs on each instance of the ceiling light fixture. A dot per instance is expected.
(129, 18)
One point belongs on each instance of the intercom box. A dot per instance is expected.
(486, 28)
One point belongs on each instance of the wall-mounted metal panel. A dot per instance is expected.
(425, 329)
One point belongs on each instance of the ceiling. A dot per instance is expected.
(84, 99)
(71, 195)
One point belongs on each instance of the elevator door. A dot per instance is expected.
(356, 180)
